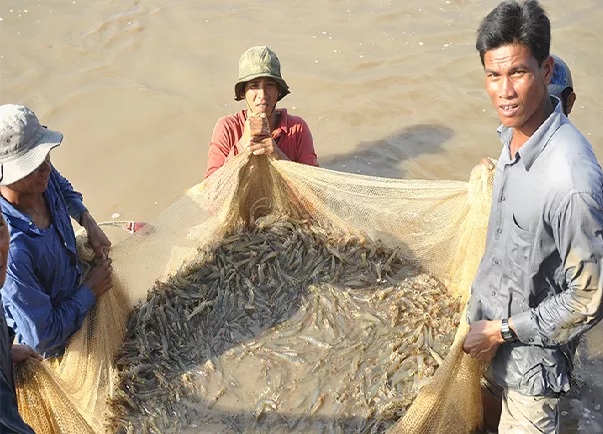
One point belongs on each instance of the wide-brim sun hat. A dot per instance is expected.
(24, 143)
(259, 62)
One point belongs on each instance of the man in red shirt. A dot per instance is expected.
(284, 136)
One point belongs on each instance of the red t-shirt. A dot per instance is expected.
(292, 136)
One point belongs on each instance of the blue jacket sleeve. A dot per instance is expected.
(39, 323)
(73, 199)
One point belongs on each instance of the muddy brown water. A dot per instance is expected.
(388, 88)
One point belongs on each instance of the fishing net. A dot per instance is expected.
(278, 297)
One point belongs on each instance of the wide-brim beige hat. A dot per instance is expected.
(24, 143)
(259, 62)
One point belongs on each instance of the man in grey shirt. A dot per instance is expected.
(539, 285)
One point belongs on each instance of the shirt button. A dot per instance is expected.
(65, 243)
(531, 340)
(493, 293)
(496, 262)
(499, 230)
(503, 198)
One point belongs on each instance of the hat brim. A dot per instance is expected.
(557, 89)
(17, 169)
(284, 88)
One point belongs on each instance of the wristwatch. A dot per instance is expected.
(506, 332)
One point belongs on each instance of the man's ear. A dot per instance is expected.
(548, 65)
(569, 102)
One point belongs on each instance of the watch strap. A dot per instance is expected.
(505, 331)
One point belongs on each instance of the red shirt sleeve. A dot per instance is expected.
(305, 145)
(222, 147)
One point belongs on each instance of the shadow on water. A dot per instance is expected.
(205, 311)
(247, 422)
(383, 157)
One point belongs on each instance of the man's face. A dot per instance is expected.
(516, 83)
(36, 181)
(261, 95)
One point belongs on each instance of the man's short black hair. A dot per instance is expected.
(513, 22)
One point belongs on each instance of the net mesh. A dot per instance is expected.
(439, 226)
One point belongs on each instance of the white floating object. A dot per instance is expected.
(115, 215)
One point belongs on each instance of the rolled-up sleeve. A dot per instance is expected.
(41, 324)
(578, 232)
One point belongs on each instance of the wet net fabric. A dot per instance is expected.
(437, 226)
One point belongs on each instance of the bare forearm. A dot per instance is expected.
(86, 219)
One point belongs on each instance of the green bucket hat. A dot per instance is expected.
(259, 62)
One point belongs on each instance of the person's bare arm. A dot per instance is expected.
(20, 353)
(96, 237)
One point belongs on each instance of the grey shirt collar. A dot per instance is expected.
(537, 142)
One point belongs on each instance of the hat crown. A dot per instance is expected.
(20, 131)
(259, 60)
(562, 76)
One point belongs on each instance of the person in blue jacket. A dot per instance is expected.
(44, 297)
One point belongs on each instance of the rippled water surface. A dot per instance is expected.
(389, 88)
